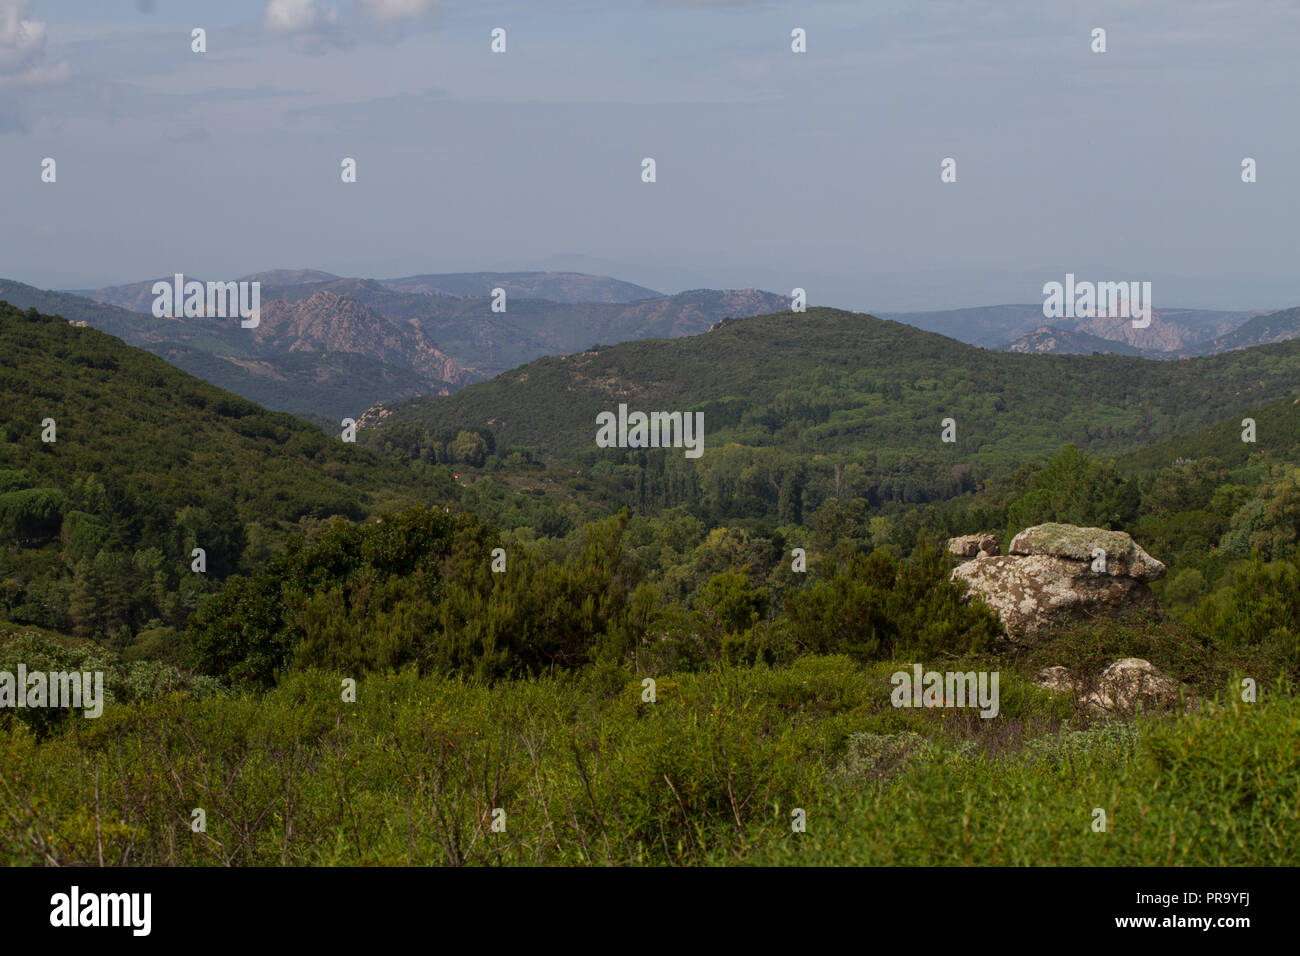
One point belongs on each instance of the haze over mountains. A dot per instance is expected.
(1007, 326)
(331, 347)
(555, 286)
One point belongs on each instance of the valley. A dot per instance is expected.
(484, 554)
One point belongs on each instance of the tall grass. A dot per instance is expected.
(586, 772)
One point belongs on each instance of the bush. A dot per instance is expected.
(874, 607)
(1260, 608)
(1216, 788)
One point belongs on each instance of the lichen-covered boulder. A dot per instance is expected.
(1056, 679)
(1129, 685)
(1126, 686)
(1052, 575)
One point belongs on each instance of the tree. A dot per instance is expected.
(790, 506)
(470, 448)
(33, 515)
(730, 602)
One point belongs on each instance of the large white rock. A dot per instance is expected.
(1124, 687)
(1051, 577)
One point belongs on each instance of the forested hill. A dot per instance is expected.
(151, 470)
(856, 388)
(1277, 438)
(164, 440)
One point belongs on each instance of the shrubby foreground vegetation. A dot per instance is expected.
(523, 691)
(710, 773)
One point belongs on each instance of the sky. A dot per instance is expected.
(774, 169)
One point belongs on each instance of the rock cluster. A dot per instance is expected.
(1124, 687)
(974, 545)
(1054, 574)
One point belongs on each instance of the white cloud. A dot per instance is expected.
(298, 16)
(22, 49)
(399, 9)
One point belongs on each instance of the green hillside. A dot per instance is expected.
(147, 463)
(1277, 436)
(802, 408)
(74, 308)
(830, 382)
(772, 682)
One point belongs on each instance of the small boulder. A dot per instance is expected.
(1131, 684)
(1056, 679)
(973, 545)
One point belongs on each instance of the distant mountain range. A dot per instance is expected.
(562, 287)
(1256, 329)
(1260, 330)
(323, 360)
(491, 342)
(1020, 328)
(331, 347)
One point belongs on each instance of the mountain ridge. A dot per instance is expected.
(323, 366)
(850, 385)
(994, 326)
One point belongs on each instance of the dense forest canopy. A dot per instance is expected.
(800, 409)
(146, 464)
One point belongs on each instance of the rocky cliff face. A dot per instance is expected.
(1046, 339)
(328, 322)
(1055, 574)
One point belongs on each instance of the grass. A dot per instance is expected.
(586, 772)
(1217, 788)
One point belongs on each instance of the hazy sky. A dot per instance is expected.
(775, 169)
